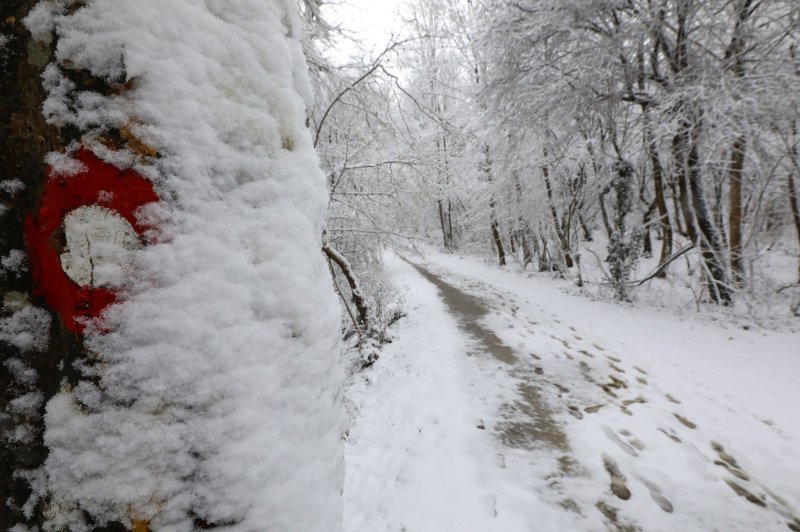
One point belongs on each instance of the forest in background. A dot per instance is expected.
(645, 150)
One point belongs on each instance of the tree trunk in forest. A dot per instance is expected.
(447, 235)
(735, 207)
(679, 150)
(680, 142)
(486, 168)
(44, 359)
(734, 57)
(562, 237)
(647, 242)
(718, 287)
(676, 208)
(793, 152)
(793, 204)
(587, 233)
(445, 212)
(658, 190)
(25, 139)
(523, 233)
(450, 224)
(498, 242)
(545, 260)
(687, 167)
(604, 212)
(527, 256)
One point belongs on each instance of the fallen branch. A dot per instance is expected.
(358, 299)
(663, 265)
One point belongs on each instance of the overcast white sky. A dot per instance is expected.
(371, 21)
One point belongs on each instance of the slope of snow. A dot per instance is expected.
(215, 390)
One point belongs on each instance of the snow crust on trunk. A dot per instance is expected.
(216, 378)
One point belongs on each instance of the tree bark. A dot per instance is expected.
(498, 242)
(604, 212)
(735, 207)
(679, 59)
(658, 190)
(790, 186)
(647, 242)
(447, 237)
(25, 139)
(718, 287)
(679, 149)
(523, 233)
(734, 57)
(793, 204)
(562, 237)
(795, 157)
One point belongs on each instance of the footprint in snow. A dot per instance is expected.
(619, 486)
(634, 442)
(575, 412)
(657, 495)
(637, 399)
(611, 514)
(728, 462)
(609, 432)
(671, 435)
(616, 368)
(672, 399)
(684, 421)
(742, 492)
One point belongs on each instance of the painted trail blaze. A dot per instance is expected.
(102, 185)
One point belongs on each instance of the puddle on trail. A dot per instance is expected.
(529, 422)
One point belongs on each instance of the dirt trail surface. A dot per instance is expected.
(532, 423)
(506, 404)
(469, 310)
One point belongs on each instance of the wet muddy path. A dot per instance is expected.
(528, 422)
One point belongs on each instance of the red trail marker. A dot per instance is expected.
(101, 184)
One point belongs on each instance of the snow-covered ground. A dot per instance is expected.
(584, 415)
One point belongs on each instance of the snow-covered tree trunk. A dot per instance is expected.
(171, 203)
(33, 346)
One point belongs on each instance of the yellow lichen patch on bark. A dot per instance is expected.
(140, 526)
(134, 144)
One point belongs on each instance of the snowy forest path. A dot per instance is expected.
(505, 403)
(536, 427)
(590, 402)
